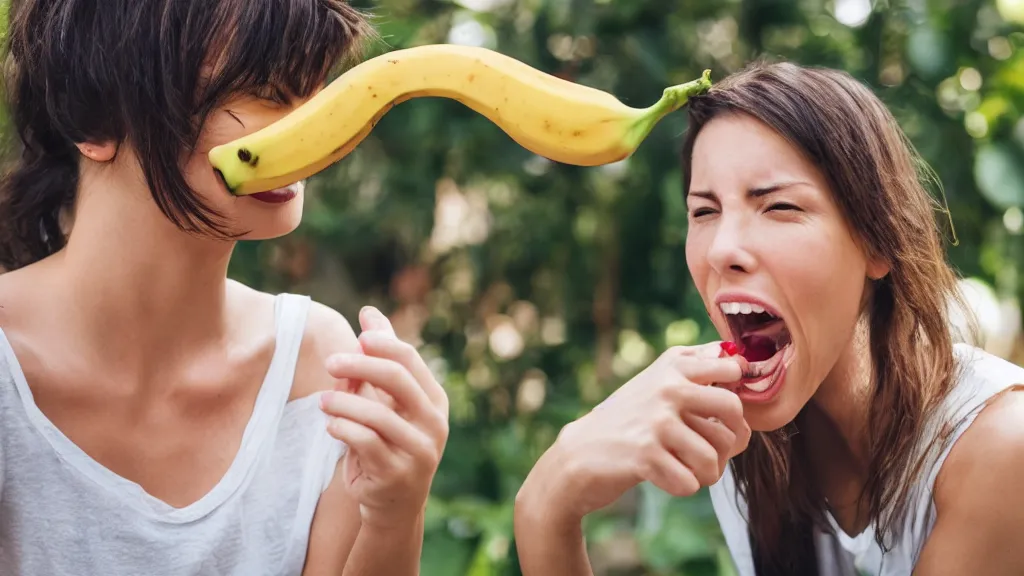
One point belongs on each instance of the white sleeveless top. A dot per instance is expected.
(62, 513)
(982, 376)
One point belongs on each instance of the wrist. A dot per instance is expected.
(393, 523)
(546, 499)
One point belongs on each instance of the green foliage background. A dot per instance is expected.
(535, 289)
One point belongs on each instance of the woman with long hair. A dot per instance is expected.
(156, 417)
(880, 444)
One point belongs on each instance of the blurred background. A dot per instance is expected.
(535, 289)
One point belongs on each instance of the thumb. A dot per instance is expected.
(372, 319)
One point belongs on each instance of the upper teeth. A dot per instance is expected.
(741, 308)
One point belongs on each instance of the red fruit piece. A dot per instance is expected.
(730, 348)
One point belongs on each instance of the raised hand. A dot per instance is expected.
(394, 421)
(667, 425)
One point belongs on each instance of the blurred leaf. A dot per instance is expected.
(672, 531)
(1000, 178)
(444, 555)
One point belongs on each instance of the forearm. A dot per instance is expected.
(392, 551)
(548, 545)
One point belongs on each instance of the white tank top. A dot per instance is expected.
(62, 513)
(982, 376)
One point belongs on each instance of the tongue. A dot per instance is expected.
(757, 348)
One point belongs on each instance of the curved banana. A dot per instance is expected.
(558, 119)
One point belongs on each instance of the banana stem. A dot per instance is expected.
(675, 97)
(672, 99)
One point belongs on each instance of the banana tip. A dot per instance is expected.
(224, 181)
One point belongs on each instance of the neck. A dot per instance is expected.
(841, 407)
(147, 291)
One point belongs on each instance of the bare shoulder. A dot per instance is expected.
(327, 332)
(980, 513)
(988, 456)
(8, 295)
(20, 299)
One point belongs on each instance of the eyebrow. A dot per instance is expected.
(752, 193)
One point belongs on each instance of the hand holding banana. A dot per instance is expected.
(555, 118)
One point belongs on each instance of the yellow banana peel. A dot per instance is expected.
(558, 119)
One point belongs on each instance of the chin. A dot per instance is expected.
(769, 418)
(269, 232)
(779, 403)
(270, 221)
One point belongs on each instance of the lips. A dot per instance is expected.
(762, 342)
(278, 196)
(760, 381)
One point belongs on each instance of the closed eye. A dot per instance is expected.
(783, 206)
(698, 212)
(237, 119)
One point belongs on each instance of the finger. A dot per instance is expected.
(669, 474)
(742, 440)
(367, 390)
(709, 350)
(377, 344)
(696, 453)
(708, 370)
(721, 438)
(387, 375)
(372, 319)
(348, 385)
(364, 442)
(711, 402)
(375, 416)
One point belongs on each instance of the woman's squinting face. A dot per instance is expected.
(261, 216)
(765, 234)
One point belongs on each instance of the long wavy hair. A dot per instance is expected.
(879, 184)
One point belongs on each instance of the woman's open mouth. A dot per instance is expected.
(764, 342)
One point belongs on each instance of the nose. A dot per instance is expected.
(729, 252)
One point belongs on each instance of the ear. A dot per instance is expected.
(877, 268)
(98, 151)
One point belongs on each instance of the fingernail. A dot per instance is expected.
(730, 348)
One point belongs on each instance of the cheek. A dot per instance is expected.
(825, 274)
(696, 257)
(217, 132)
(198, 170)
(204, 182)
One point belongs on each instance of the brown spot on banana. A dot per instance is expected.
(246, 156)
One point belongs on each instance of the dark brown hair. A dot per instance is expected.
(878, 183)
(145, 72)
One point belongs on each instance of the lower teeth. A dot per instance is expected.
(759, 386)
(758, 370)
